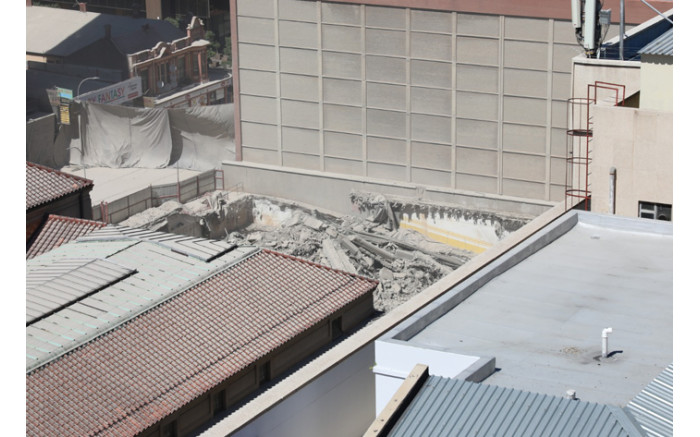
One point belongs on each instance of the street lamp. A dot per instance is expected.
(83, 81)
(82, 140)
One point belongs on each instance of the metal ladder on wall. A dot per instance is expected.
(579, 135)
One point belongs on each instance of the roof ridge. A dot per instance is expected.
(63, 218)
(58, 172)
(306, 261)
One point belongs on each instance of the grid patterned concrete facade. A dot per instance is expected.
(451, 99)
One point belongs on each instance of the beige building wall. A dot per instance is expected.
(639, 144)
(657, 82)
(587, 71)
(458, 100)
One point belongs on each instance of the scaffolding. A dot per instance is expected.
(579, 134)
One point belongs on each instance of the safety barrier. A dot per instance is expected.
(155, 195)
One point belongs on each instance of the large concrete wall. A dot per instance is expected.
(639, 144)
(452, 99)
(332, 190)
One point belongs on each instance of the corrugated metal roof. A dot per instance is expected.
(63, 282)
(453, 407)
(58, 230)
(653, 407)
(160, 274)
(199, 248)
(662, 45)
(44, 184)
(130, 378)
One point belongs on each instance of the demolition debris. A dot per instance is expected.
(371, 244)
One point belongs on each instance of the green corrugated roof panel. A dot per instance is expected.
(653, 407)
(454, 407)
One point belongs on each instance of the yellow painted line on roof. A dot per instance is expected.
(450, 238)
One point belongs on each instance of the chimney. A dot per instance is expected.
(83, 6)
(108, 31)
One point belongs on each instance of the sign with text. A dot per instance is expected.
(114, 94)
(64, 98)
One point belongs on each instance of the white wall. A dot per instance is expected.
(396, 359)
(339, 403)
(657, 83)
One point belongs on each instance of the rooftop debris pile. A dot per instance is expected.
(371, 244)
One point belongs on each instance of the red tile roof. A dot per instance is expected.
(132, 377)
(45, 184)
(59, 230)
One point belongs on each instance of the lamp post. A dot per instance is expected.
(82, 140)
(83, 81)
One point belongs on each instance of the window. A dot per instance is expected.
(655, 211)
(144, 81)
(219, 402)
(162, 75)
(336, 328)
(264, 373)
(180, 69)
(169, 430)
(195, 66)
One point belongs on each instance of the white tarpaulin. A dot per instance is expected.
(192, 138)
(202, 136)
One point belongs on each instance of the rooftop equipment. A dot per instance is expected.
(591, 23)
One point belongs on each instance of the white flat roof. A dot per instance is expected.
(540, 310)
(114, 183)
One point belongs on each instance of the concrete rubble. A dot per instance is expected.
(402, 260)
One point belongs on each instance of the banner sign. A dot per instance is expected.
(65, 96)
(114, 94)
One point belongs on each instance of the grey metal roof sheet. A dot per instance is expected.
(454, 407)
(66, 281)
(662, 45)
(653, 407)
(161, 272)
(199, 248)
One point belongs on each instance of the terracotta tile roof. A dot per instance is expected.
(58, 230)
(45, 184)
(132, 377)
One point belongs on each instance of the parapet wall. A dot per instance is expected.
(332, 191)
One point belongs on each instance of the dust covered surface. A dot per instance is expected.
(403, 261)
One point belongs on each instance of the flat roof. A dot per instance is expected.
(114, 183)
(540, 310)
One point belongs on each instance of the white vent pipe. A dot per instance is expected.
(605, 334)
(613, 177)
